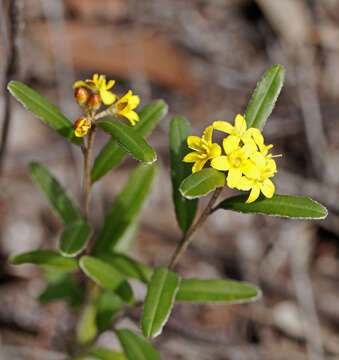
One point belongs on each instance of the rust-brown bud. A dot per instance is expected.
(81, 95)
(94, 101)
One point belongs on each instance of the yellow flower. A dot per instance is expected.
(98, 86)
(82, 127)
(125, 106)
(236, 161)
(237, 133)
(204, 149)
(267, 168)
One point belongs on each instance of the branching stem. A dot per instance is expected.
(188, 236)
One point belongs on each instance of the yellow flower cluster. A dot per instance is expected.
(100, 89)
(246, 158)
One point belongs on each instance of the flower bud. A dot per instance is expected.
(94, 101)
(81, 95)
(82, 127)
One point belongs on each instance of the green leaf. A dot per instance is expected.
(216, 290)
(279, 205)
(65, 289)
(185, 209)
(102, 273)
(129, 139)
(202, 182)
(74, 238)
(55, 193)
(112, 154)
(135, 347)
(159, 301)
(87, 329)
(44, 110)
(108, 305)
(128, 266)
(45, 258)
(127, 237)
(264, 97)
(106, 354)
(125, 291)
(125, 208)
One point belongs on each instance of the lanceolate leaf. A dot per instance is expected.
(105, 354)
(128, 266)
(281, 205)
(125, 291)
(129, 139)
(101, 272)
(65, 289)
(126, 239)
(44, 110)
(125, 208)
(87, 328)
(159, 301)
(74, 238)
(184, 209)
(108, 305)
(216, 290)
(46, 258)
(264, 97)
(202, 182)
(112, 154)
(55, 193)
(135, 347)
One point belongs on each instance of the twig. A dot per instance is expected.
(188, 237)
(87, 171)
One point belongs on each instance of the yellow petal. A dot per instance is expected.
(95, 78)
(215, 151)
(207, 135)
(244, 183)
(134, 101)
(107, 97)
(256, 135)
(230, 143)
(240, 124)
(250, 170)
(198, 165)
(132, 116)
(192, 157)
(233, 177)
(223, 126)
(259, 160)
(221, 163)
(249, 148)
(125, 98)
(254, 194)
(271, 166)
(194, 142)
(267, 188)
(80, 83)
(110, 84)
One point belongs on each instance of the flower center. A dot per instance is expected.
(121, 106)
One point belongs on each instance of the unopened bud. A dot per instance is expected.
(81, 95)
(82, 127)
(94, 101)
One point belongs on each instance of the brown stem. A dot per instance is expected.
(87, 171)
(188, 236)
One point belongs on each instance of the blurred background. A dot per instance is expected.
(204, 59)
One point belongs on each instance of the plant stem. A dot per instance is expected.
(188, 236)
(87, 171)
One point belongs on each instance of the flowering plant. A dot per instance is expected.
(105, 295)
